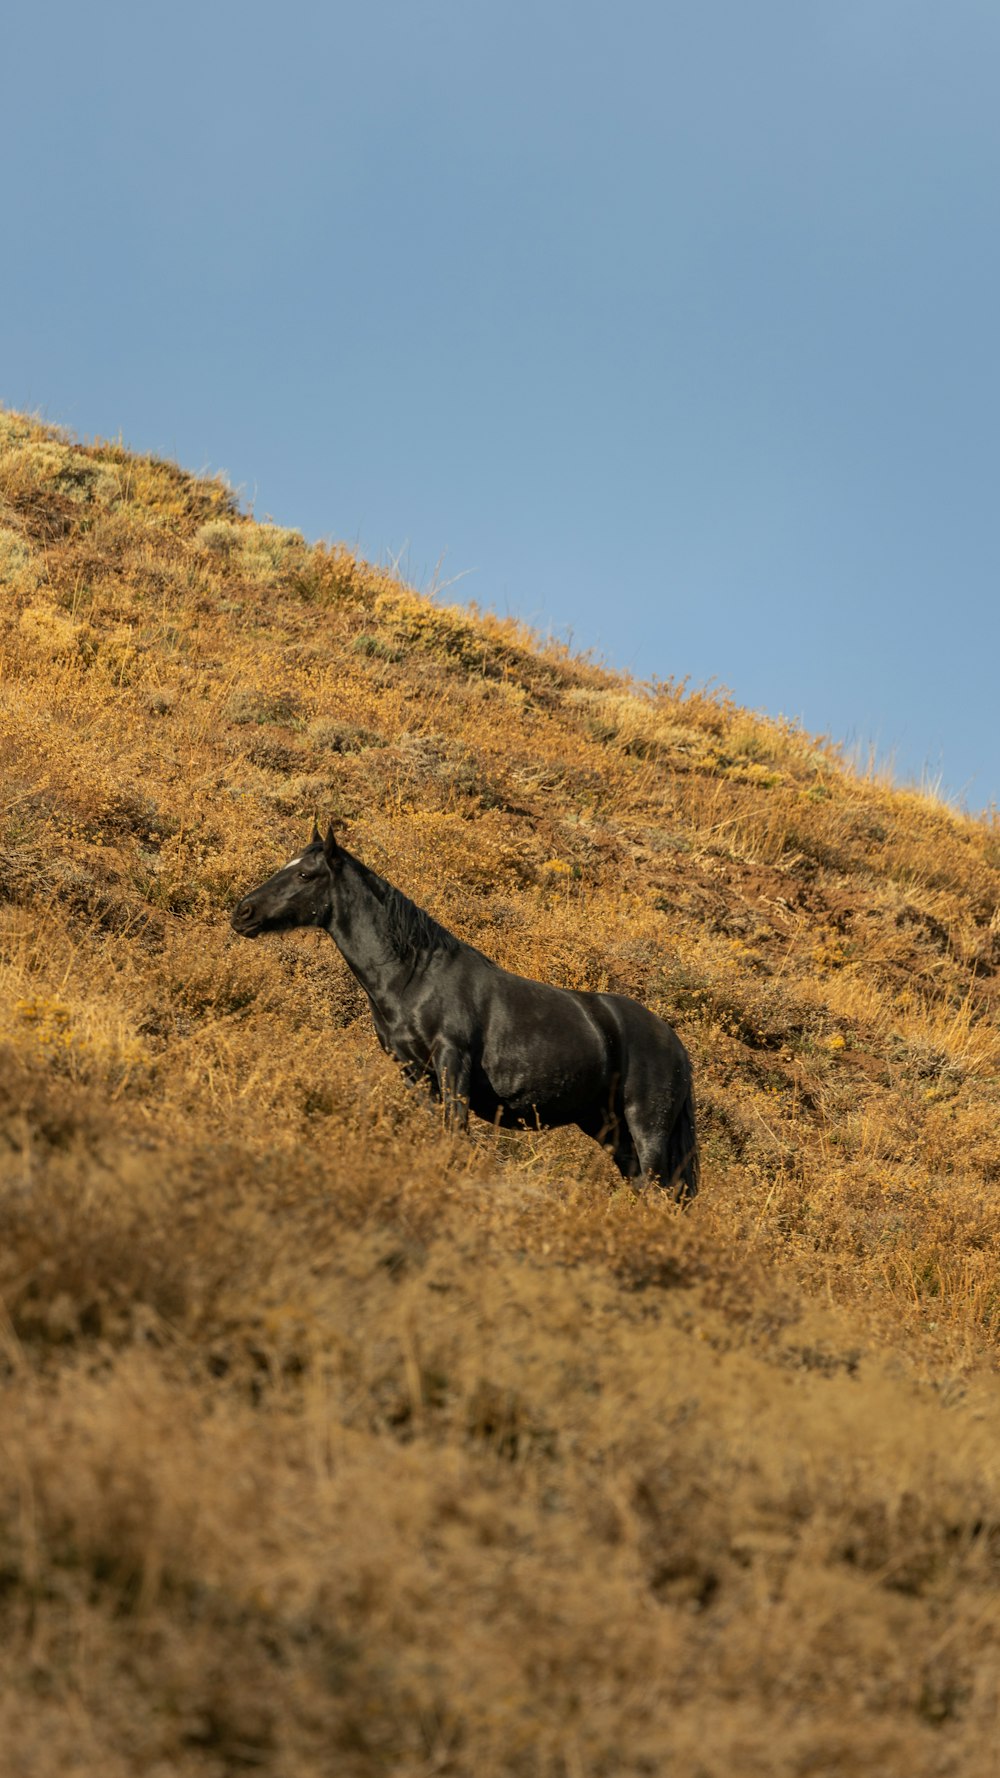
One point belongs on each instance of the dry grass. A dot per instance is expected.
(333, 1443)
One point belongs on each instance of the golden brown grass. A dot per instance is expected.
(332, 1443)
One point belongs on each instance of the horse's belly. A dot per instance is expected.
(507, 1091)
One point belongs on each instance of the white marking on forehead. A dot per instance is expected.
(291, 861)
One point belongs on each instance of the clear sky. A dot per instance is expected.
(673, 326)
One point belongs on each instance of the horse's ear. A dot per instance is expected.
(316, 835)
(330, 846)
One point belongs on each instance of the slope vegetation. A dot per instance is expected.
(332, 1443)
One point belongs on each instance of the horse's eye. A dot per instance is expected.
(304, 876)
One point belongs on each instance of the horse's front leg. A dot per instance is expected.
(453, 1070)
(418, 1075)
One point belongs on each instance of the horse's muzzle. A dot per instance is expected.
(244, 920)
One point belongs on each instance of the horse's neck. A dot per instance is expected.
(360, 928)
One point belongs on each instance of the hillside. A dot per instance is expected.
(333, 1443)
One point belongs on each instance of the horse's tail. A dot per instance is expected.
(683, 1167)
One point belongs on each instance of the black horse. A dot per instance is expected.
(516, 1052)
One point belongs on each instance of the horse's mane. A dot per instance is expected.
(412, 930)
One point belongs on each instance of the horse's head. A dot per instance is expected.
(300, 894)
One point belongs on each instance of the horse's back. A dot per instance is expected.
(639, 1028)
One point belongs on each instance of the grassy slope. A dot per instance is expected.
(331, 1443)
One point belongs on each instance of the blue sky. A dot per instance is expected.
(670, 327)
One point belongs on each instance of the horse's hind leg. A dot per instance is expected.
(625, 1157)
(613, 1134)
(668, 1155)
